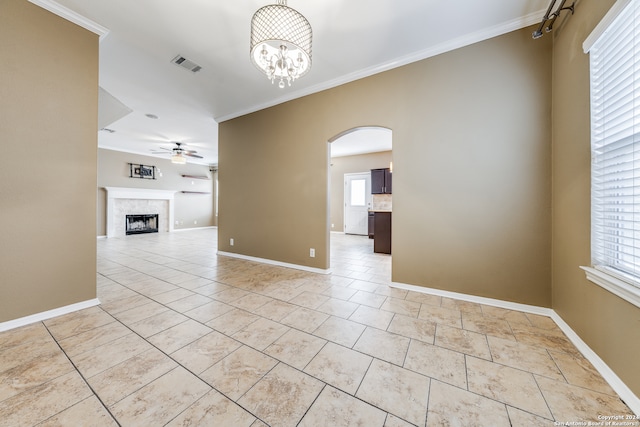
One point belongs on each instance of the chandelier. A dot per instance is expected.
(281, 43)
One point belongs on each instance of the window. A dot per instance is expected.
(615, 151)
(358, 192)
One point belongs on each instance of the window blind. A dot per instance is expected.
(615, 146)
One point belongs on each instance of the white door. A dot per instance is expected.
(357, 201)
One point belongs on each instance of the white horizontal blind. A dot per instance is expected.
(615, 146)
(604, 24)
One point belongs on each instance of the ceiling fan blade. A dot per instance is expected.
(178, 150)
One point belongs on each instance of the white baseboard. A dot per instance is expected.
(625, 393)
(39, 317)
(533, 309)
(278, 263)
(175, 230)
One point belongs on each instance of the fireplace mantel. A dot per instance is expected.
(114, 193)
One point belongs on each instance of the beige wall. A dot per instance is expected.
(608, 324)
(190, 210)
(48, 122)
(350, 164)
(471, 151)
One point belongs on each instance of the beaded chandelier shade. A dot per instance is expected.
(281, 43)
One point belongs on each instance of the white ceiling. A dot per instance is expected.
(351, 39)
(362, 140)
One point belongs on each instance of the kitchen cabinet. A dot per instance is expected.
(371, 224)
(381, 181)
(382, 235)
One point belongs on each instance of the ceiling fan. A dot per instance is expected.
(178, 153)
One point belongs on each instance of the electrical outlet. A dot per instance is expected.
(195, 222)
(312, 253)
(231, 241)
(332, 225)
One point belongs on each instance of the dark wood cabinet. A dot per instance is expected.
(371, 224)
(377, 181)
(387, 181)
(381, 181)
(382, 235)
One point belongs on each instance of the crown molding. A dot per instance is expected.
(466, 40)
(70, 15)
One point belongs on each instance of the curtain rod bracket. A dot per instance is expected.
(551, 17)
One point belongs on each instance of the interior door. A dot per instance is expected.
(357, 202)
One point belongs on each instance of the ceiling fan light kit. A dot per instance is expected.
(281, 43)
(178, 153)
(178, 159)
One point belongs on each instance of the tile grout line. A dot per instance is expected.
(81, 376)
(486, 337)
(313, 403)
(426, 418)
(231, 337)
(178, 365)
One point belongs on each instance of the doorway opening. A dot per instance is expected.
(357, 203)
(354, 153)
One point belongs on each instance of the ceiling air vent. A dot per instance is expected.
(186, 64)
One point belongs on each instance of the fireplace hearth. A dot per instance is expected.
(140, 224)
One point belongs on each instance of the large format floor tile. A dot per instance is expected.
(185, 337)
(237, 373)
(160, 401)
(339, 366)
(449, 405)
(334, 408)
(290, 393)
(213, 410)
(396, 390)
(120, 381)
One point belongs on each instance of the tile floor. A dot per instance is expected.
(186, 337)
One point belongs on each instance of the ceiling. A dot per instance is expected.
(352, 39)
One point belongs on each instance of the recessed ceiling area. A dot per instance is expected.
(351, 40)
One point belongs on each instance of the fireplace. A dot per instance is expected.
(139, 224)
(129, 201)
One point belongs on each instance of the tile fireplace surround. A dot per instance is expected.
(128, 201)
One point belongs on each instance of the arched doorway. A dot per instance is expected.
(353, 154)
